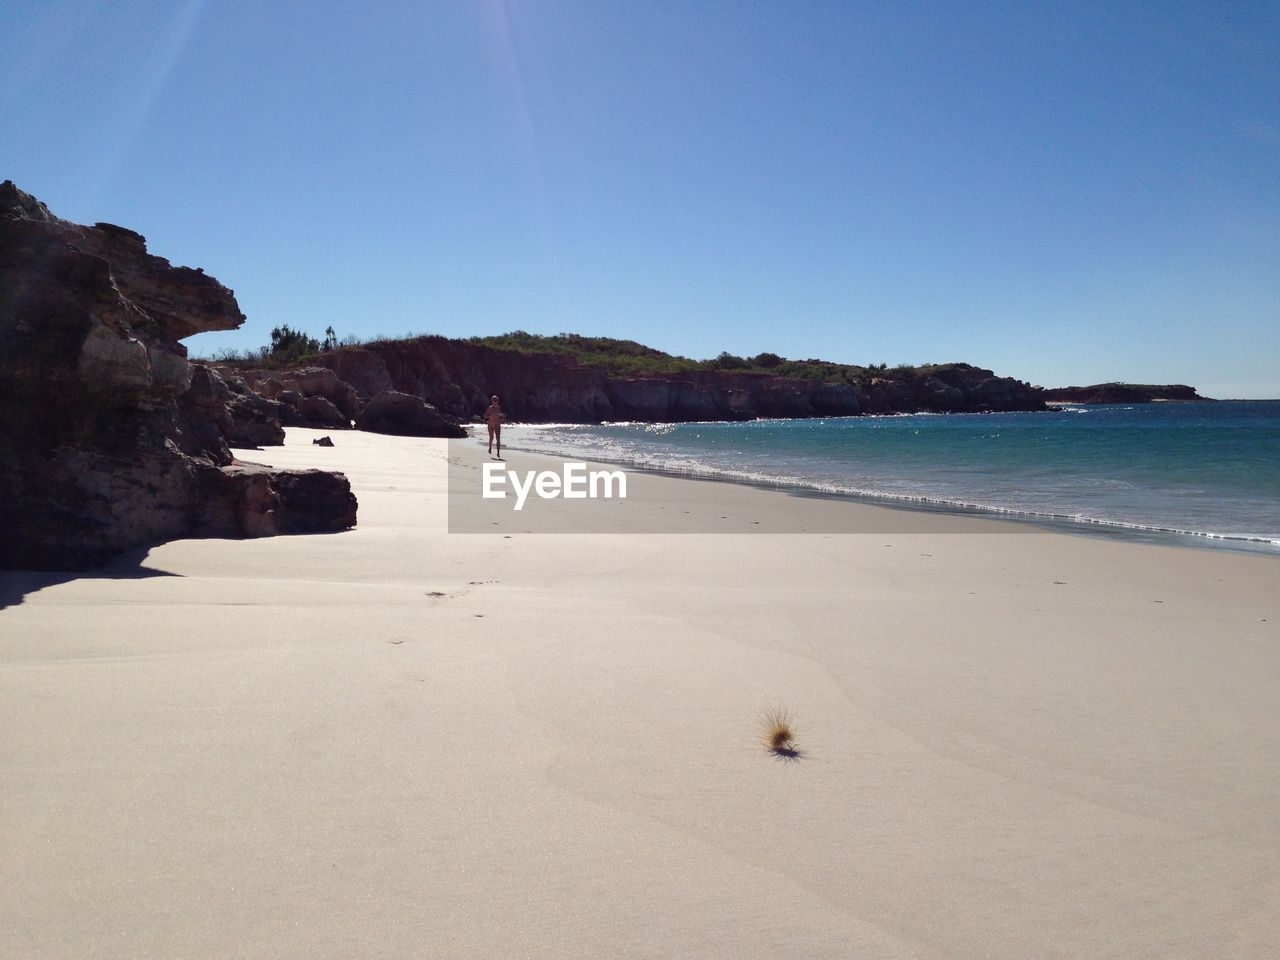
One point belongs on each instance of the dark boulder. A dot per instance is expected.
(250, 500)
(404, 415)
(319, 413)
(314, 501)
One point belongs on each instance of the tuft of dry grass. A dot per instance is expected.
(778, 734)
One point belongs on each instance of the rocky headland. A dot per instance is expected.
(455, 379)
(458, 376)
(110, 437)
(1124, 393)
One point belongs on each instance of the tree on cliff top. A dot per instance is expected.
(288, 344)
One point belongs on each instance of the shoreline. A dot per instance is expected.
(1057, 523)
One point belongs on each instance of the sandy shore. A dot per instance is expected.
(397, 742)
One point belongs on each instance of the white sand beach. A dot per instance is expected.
(403, 743)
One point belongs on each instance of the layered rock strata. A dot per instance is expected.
(109, 437)
(458, 377)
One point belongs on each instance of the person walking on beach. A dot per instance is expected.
(493, 417)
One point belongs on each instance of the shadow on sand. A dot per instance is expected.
(788, 754)
(15, 585)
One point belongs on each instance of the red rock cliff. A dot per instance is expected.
(458, 377)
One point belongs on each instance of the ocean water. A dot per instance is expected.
(1189, 472)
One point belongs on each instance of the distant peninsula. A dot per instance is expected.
(1124, 393)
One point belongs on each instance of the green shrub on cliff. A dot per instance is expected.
(288, 344)
(629, 358)
(622, 358)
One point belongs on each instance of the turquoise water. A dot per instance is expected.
(1188, 470)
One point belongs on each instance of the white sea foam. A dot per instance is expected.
(585, 442)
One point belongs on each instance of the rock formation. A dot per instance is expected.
(405, 415)
(316, 397)
(109, 437)
(311, 397)
(457, 377)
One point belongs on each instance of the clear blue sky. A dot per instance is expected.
(1067, 192)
